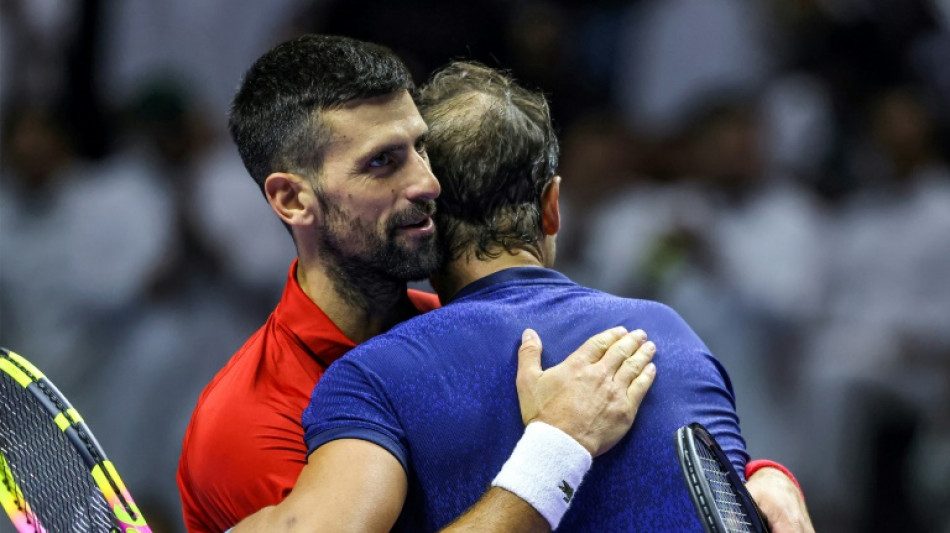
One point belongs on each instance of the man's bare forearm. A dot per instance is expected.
(500, 511)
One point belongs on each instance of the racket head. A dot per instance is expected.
(721, 500)
(54, 475)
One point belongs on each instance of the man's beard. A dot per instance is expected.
(360, 258)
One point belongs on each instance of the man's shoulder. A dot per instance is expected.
(265, 384)
(591, 305)
(405, 345)
(648, 306)
(244, 445)
(230, 379)
(407, 337)
(586, 297)
(270, 358)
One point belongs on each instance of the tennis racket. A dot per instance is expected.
(722, 501)
(54, 476)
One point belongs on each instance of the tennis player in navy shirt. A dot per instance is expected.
(436, 391)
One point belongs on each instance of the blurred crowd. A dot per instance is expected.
(775, 170)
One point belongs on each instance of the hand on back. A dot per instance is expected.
(594, 394)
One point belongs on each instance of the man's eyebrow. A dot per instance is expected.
(394, 146)
(383, 148)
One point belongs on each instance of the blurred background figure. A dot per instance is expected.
(775, 171)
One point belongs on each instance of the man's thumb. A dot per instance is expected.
(529, 359)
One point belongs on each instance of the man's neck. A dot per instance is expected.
(456, 274)
(360, 309)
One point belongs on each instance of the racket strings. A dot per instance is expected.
(50, 481)
(733, 513)
(89, 444)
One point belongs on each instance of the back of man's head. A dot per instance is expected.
(275, 116)
(493, 148)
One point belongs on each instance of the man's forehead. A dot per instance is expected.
(397, 97)
(365, 120)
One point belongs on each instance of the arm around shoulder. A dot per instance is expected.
(351, 485)
(348, 485)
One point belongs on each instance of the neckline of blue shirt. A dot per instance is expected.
(509, 274)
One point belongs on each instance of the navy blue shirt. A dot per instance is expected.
(438, 391)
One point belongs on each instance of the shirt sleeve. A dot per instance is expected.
(723, 421)
(706, 385)
(349, 402)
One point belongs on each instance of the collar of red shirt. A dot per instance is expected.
(314, 329)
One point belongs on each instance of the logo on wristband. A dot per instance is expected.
(568, 491)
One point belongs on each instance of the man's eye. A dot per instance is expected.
(381, 160)
(421, 146)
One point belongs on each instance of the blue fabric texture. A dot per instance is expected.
(438, 392)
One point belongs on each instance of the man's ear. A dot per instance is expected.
(550, 210)
(291, 196)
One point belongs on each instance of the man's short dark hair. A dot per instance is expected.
(275, 116)
(493, 148)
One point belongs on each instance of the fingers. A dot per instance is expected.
(638, 372)
(641, 384)
(595, 347)
(632, 366)
(529, 359)
(622, 349)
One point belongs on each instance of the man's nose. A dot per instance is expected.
(425, 186)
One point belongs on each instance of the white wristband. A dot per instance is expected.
(545, 470)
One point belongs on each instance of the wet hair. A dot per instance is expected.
(275, 117)
(493, 148)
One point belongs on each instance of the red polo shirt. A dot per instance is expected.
(244, 447)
